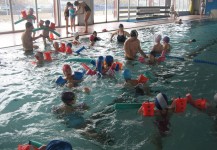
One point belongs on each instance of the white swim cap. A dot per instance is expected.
(161, 101)
(158, 38)
(215, 97)
(76, 34)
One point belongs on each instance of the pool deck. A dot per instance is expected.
(13, 39)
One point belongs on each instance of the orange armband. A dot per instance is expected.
(148, 108)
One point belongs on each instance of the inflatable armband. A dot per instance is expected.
(47, 56)
(23, 13)
(52, 25)
(80, 49)
(200, 103)
(51, 36)
(60, 81)
(148, 108)
(180, 104)
(142, 79)
(99, 64)
(68, 50)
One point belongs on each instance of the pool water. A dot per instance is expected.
(28, 93)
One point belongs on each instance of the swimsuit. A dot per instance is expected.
(86, 8)
(121, 38)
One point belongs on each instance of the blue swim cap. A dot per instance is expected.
(127, 74)
(101, 58)
(109, 59)
(58, 145)
(161, 101)
(166, 39)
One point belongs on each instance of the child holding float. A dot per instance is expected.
(139, 84)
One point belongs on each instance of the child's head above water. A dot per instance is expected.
(127, 74)
(39, 56)
(158, 38)
(166, 39)
(68, 98)
(67, 71)
(109, 60)
(161, 101)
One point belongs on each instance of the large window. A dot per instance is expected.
(5, 16)
(22, 5)
(112, 10)
(181, 5)
(99, 11)
(45, 10)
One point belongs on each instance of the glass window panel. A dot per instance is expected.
(62, 7)
(17, 7)
(123, 10)
(112, 10)
(99, 11)
(142, 2)
(156, 3)
(162, 2)
(45, 10)
(5, 16)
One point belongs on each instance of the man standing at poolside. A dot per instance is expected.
(27, 39)
(132, 46)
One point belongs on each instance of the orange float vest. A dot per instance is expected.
(148, 108)
(180, 105)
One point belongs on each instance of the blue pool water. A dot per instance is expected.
(27, 94)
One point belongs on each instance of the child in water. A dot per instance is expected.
(56, 47)
(76, 39)
(67, 71)
(40, 58)
(166, 45)
(93, 38)
(69, 104)
(141, 88)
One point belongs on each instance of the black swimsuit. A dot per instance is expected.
(86, 8)
(121, 38)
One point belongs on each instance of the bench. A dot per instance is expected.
(152, 12)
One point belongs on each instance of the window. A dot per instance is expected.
(5, 16)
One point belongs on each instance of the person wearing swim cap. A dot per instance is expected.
(121, 34)
(93, 38)
(56, 145)
(141, 88)
(158, 47)
(166, 45)
(132, 46)
(76, 39)
(67, 71)
(162, 113)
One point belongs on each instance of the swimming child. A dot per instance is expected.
(31, 18)
(46, 32)
(27, 39)
(72, 15)
(55, 145)
(141, 88)
(158, 47)
(179, 22)
(67, 71)
(76, 39)
(93, 38)
(166, 45)
(40, 58)
(69, 104)
(56, 47)
(162, 112)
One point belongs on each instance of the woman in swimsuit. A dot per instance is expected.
(122, 35)
(87, 11)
